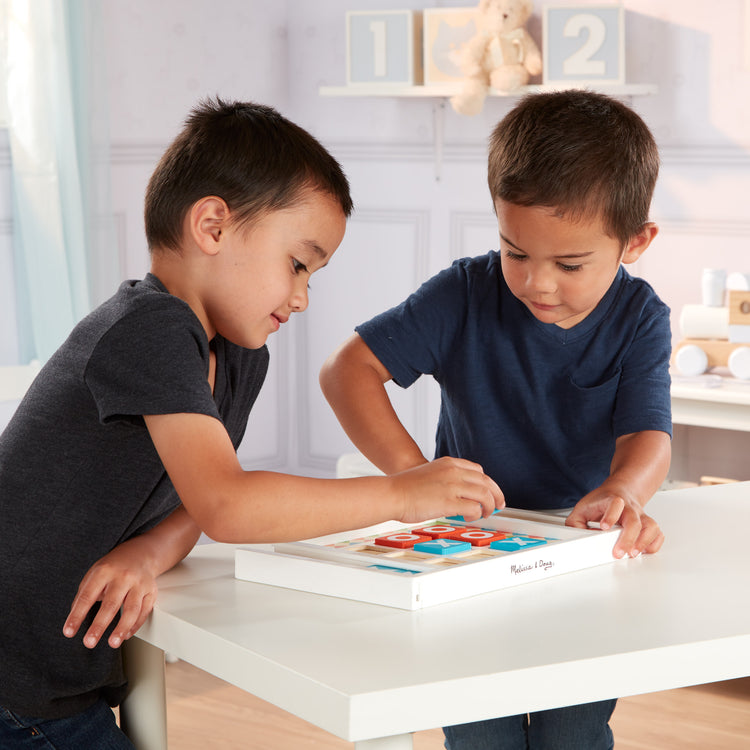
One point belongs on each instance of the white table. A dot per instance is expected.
(373, 675)
(710, 401)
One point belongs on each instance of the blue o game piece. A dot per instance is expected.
(516, 543)
(442, 546)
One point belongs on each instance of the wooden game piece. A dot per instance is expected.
(402, 540)
(438, 530)
(478, 537)
(442, 546)
(516, 543)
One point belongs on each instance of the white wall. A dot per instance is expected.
(164, 56)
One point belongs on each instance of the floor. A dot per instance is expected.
(206, 713)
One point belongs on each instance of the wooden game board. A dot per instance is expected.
(421, 565)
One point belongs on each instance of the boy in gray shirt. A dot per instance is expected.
(123, 449)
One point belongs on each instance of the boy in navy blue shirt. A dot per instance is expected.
(552, 360)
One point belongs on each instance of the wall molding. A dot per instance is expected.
(462, 220)
(696, 155)
(125, 153)
(729, 155)
(278, 457)
(710, 227)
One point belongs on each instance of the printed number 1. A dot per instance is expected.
(580, 62)
(378, 32)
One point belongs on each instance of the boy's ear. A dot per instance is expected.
(638, 244)
(206, 220)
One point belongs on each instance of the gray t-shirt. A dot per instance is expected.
(79, 475)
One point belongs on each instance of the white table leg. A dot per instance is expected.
(396, 742)
(143, 713)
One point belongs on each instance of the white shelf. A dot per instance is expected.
(440, 91)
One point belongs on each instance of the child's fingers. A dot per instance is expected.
(135, 609)
(630, 520)
(108, 610)
(477, 486)
(498, 498)
(605, 511)
(613, 513)
(447, 486)
(474, 501)
(87, 596)
(650, 539)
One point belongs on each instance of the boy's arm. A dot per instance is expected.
(233, 505)
(353, 381)
(639, 466)
(125, 579)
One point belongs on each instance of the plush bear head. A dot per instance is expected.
(503, 16)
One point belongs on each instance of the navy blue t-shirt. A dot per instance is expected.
(538, 406)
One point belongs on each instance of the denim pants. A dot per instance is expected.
(584, 727)
(94, 729)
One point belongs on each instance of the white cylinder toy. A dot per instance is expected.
(691, 360)
(713, 285)
(739, 363)
(703, 322)
(738, 281)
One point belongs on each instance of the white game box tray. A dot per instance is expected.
(449, 559)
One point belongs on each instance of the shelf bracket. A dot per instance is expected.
(438, 132)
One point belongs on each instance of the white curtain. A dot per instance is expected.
(56, 117)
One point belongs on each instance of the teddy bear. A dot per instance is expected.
(501, 55)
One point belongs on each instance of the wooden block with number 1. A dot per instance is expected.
(383, 47)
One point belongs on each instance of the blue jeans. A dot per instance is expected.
(584, 727)
(94, 729)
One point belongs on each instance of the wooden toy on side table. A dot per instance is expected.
(716, 335)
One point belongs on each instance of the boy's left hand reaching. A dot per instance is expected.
(640, 533)
(638, 468)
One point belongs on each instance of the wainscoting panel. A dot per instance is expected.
(266, 441)
(381, 260)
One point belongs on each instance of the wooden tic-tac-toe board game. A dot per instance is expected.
(420, 565)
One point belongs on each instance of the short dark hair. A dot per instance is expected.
(249, 155)
(580, 152)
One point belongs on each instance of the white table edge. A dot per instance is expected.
(354, 716)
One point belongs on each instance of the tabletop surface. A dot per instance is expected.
(679, 617)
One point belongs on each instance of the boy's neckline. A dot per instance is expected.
(585, 326)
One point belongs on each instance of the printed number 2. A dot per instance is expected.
(378, 32)
(580, 62)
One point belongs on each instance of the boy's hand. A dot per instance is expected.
(120, 580)
(446, 487)
(640, 533)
